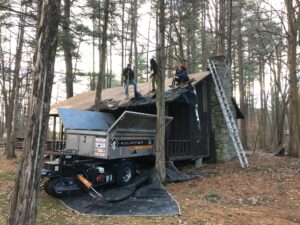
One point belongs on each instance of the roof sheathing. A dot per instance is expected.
(115, 97)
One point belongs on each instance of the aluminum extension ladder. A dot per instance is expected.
(228, 116)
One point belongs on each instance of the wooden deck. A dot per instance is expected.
(52, 148)
(19, 145)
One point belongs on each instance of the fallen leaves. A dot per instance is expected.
(267, 193)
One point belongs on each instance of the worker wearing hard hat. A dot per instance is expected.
(181, 75)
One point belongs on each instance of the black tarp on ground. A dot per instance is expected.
(173, 175)
(147, 198)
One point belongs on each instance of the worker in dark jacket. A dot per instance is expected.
(181, 75)
(153, 68)
(129, 78)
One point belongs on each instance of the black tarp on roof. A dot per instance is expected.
(181, 94)
(239, 113)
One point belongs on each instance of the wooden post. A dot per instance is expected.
(61, 136)
(54, 128)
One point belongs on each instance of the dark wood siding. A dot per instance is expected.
(184, 138)
(184, 141)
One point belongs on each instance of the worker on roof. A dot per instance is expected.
(129, 78)
(181, 75)
(153, 68)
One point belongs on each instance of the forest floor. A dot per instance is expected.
(267, 193)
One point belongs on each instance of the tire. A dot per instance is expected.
(50, 187)
(125, 173)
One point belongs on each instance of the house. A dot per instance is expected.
(198, 129)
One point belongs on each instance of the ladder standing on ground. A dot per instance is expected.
(228, 116)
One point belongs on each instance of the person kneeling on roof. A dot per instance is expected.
(129, 79)
(181, 75)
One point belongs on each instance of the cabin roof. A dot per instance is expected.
(114, 98)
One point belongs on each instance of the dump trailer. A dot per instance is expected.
(100, 150)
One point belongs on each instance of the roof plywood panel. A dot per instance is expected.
(86, 100)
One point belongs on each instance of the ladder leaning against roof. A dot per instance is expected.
(228, 116)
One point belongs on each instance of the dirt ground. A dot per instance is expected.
(267, 193)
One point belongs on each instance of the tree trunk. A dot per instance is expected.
(193, 51)
(132, 24)
(229, 33)
(294, 117)
(180, 42)
(280, 108)
(229, 38)
(3, 88)
(203, 37)
(135, 23)
(170, 64)
(221, 31)
(14, 98)
(11, 150)
(100, 10)
(160, 95)
(3, 83)
(122, 42)
(188, 48)
(93, 75)
(67, 46)
(102, 66)
(156, 27)
(216, 37)
(262, 135)
(241, 76)
(23, 204)
(148, 41)
(110, 66)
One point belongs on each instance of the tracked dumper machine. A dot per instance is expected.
(100, 150)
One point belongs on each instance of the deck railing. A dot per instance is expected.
(179, 148)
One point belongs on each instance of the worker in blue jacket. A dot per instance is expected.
(181, 75)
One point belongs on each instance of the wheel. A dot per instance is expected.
(125, 173)
(50, 187)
